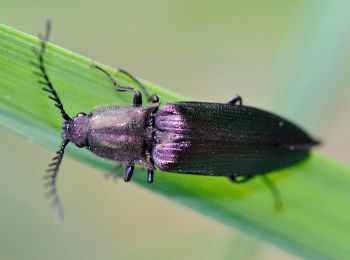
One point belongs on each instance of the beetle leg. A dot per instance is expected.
(236, 99)
(154, 99)
(234, 178)
(128, 172)
(151, 98)
(137, 101)
(274, 191)
(150, 176)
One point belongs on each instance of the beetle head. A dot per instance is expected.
(75, 130)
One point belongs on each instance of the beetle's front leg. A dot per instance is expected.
(150, 176)
(137, 101)
(236, 99)
(154, 99)
(128, 172)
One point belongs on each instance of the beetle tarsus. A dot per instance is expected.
(150, 176)
(129, 170)
(236, 100)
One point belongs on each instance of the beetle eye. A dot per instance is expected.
(81, 114)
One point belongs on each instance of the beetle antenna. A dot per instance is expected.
(274, 191)
(51, 178)
(48, 87)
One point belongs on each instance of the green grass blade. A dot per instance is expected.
(315, 220)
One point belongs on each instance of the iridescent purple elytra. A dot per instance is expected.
(203, 138)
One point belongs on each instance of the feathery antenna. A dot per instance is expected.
(54, 166)
(51, 180)
(48, 87)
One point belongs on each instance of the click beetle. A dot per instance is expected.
(203, 138)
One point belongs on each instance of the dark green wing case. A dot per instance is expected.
(223, 139)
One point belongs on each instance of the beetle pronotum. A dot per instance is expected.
(202, 138)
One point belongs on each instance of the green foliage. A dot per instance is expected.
(314, 221)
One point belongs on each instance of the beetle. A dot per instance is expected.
(202, 138)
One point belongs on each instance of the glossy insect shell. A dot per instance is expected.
(113, 132)
(192, 137)
(225, 139)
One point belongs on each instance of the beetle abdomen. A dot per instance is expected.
(223, 139)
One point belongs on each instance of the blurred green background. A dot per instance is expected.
(289, 57)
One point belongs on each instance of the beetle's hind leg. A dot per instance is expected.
(239, 179)
(236, 100)
(273, 189)
(151, 98)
